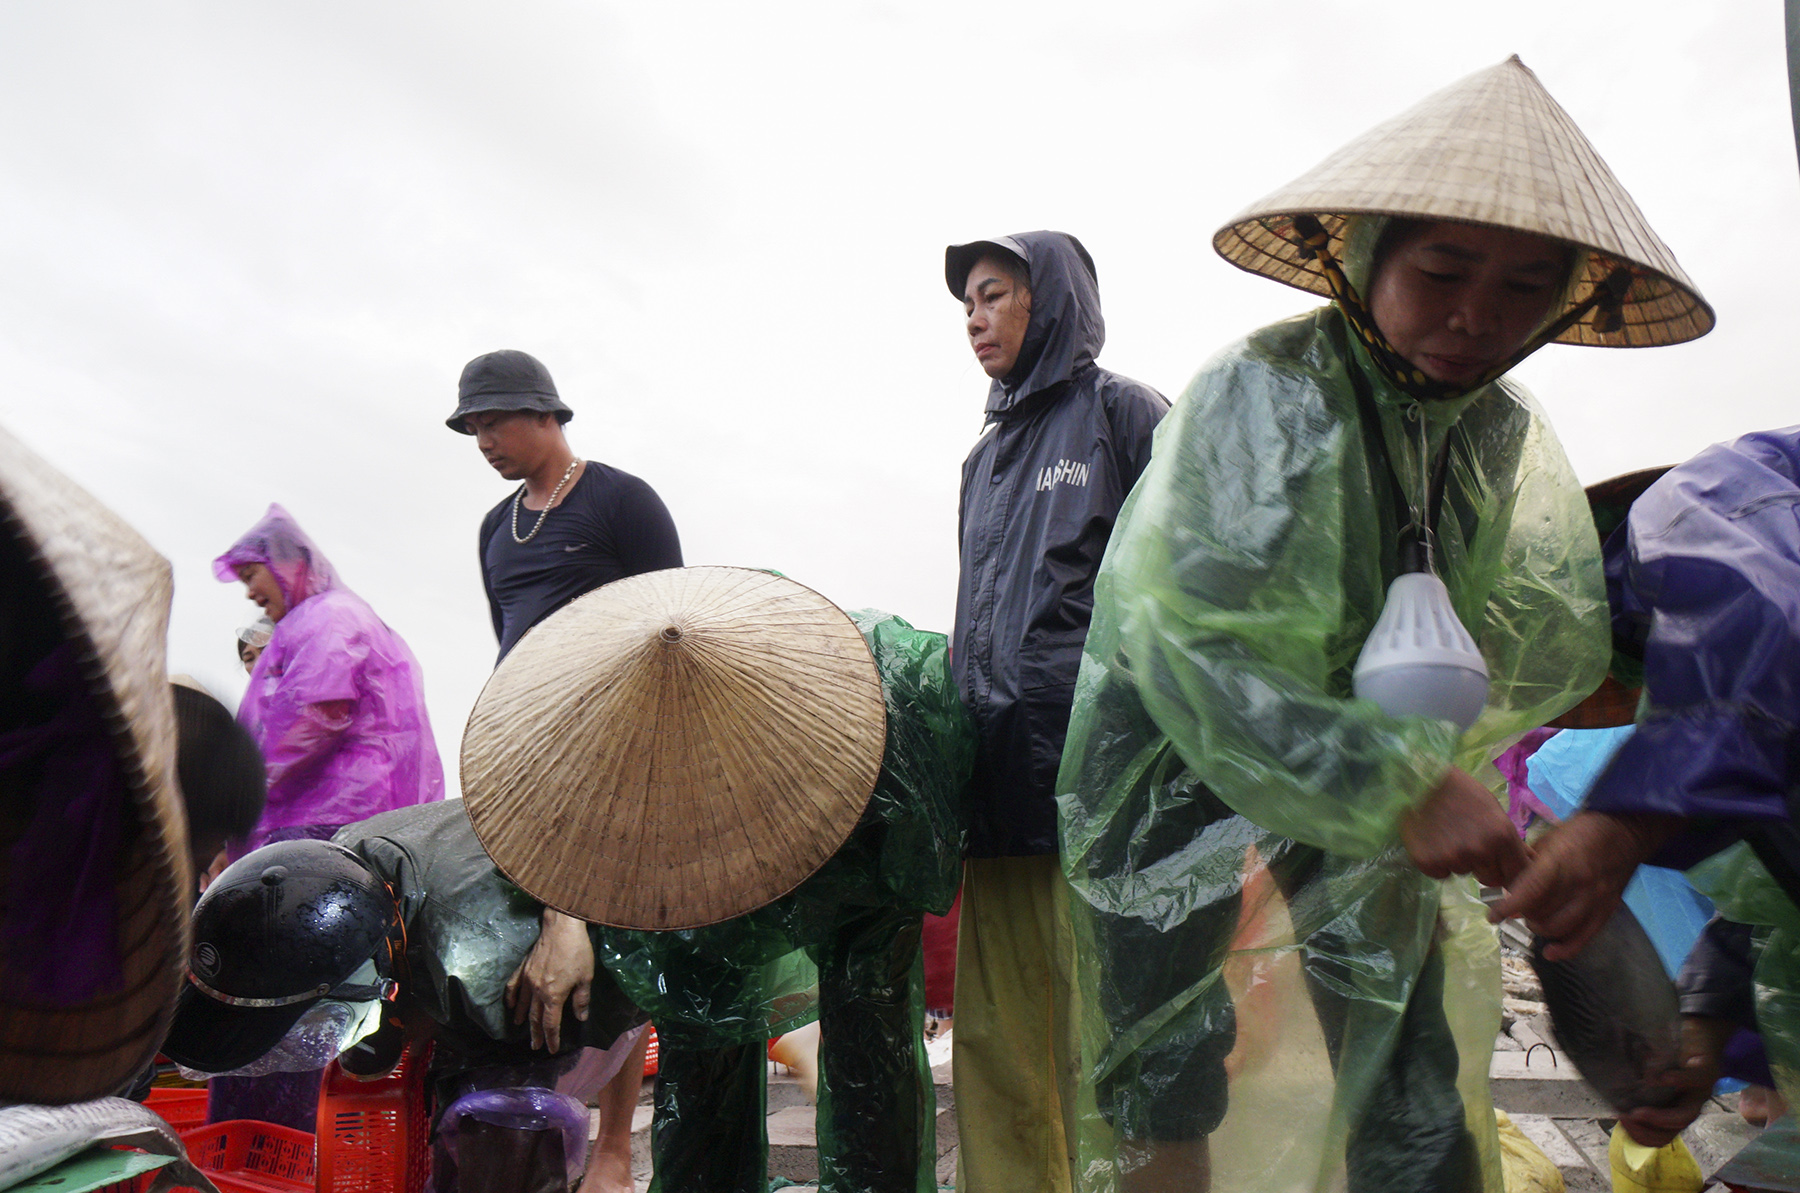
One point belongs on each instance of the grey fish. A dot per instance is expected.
(36, 1138)
(1615, 1013)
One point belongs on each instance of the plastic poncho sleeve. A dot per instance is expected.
(1706, 575)
(1743, 890)
(468, 931)
(1249, 568)
(309, 690)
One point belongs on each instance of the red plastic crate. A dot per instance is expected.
(182, 1109)
(244, 1156)
(241, 1156)
(652, 1054)
(374, 1136)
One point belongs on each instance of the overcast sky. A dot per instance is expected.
(246, 247)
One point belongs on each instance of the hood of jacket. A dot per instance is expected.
(300, 569)
(1066, 331)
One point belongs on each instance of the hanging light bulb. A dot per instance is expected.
(1419, 660)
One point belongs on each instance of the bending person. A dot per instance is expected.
(762, 792)
(405, 924)
(1702, 577)
(1217, 732)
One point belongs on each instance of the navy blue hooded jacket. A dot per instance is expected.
(1065, 442)
(1704, 579)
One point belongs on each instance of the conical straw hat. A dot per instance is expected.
(1491, 149)
(110, 592)
(675, 748)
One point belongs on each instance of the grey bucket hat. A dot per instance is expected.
(505, 380)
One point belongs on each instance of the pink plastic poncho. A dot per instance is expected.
(336, 702)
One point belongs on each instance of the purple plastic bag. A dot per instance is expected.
(336, 702)
(526, 1108)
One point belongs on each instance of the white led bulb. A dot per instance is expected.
(1419, 660)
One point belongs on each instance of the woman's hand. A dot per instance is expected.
(560, 969)
(1576, 881)
(1460, 829)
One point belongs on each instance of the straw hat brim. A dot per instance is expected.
(1493, 149)
(112, 593)
(675, 748)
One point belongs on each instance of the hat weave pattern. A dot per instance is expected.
(1494, 149)
(113, 592)
(675, 748)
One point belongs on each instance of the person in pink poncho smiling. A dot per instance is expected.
(336, 702)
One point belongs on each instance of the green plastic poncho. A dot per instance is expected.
(1743, 890)
(842, 947)
(1261, 965)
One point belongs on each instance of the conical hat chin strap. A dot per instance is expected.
(1314, 242)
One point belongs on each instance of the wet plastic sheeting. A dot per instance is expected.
(1743, 890)
(842, 947)
(1255, 948)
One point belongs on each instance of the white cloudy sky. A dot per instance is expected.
(245, 248)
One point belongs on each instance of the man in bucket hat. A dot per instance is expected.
(571, 526)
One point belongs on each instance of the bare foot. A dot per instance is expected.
(1147, 1166)
(1761, 1105)
(608, 1172)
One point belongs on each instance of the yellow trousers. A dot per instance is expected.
(1013, 1052)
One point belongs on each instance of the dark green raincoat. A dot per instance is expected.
(843, 947)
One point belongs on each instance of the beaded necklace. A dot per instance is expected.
(519, 497)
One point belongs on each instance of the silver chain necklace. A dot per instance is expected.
(519, 497)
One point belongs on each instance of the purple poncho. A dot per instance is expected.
(336, 701)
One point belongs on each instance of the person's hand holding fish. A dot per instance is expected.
(1460, 829)
(1702, 1042)
(1577, 879)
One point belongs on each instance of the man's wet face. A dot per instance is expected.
(998, 310)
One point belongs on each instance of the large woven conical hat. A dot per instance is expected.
(73, 1035)
(675, 748)
(1491, 149)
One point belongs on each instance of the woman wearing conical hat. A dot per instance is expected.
(1305, 468)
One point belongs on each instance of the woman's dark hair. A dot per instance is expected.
(1399, 230)
(223, 780)
(1012, 266)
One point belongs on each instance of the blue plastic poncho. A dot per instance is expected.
(337, 701)
(1262, 965)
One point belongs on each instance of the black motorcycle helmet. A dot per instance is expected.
(281, 928)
